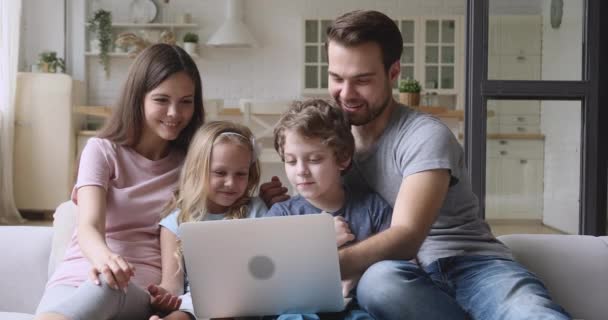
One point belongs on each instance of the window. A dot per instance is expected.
(315, 57)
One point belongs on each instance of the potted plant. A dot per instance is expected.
(101, 24)
(190, 42)
(409, 92)
(49, 62)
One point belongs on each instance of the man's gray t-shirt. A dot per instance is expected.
(366, 213)
(414, 142)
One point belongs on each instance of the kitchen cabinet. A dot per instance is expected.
(514, 178)
(45, 146)
(515, 146)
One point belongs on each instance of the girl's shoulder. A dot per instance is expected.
(170, 221)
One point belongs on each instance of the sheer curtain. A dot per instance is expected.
(10, 21)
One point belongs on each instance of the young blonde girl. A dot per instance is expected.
(220, 174)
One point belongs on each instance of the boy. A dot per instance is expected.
(315, 142)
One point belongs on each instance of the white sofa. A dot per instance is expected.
(574, 268)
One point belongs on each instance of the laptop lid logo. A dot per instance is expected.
(261, 267)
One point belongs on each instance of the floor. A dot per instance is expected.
(502, 227)
(499, 227)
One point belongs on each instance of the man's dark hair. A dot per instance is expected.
(358, 27)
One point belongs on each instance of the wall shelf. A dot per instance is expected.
(122, 55)
(153, 25)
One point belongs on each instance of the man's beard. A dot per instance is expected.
(371, 116)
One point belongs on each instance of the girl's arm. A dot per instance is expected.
(91, 239)
(172, 274)
(165, 297)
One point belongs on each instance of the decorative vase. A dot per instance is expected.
(44, 67)
(411, 99)
(190, 47)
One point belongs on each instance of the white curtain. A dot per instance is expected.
(10, 22)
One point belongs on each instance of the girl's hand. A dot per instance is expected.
(273, 192)
(163, 301)
(348, 286)
(343, 233)
(116, 271)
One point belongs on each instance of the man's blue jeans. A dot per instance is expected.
(460, 287)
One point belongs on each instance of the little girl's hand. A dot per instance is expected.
(116, 271)
(343, 233)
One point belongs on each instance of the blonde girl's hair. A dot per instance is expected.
(191, 196)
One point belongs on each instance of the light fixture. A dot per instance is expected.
(233, 32)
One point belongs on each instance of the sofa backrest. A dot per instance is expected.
(574, 269)
(64, 223)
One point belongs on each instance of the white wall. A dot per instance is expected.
(271, 71)
(561, 120)
(42, 30)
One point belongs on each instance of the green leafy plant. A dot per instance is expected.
(101, 24)
(52, 61)
(191, 37)
(409, 85)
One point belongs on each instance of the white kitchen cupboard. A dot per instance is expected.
(514, 167)
(514, 184)
(44, 149)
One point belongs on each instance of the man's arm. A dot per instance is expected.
(420, 197)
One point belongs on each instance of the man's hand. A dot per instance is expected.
(273, 192)
(343, 233)
(161, 300)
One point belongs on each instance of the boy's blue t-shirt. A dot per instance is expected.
(256, 207)
(366, 212)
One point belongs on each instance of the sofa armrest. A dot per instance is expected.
(572, 267)
(24, 252)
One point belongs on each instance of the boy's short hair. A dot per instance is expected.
(317, 118)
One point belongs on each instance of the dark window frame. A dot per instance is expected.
(478, 90)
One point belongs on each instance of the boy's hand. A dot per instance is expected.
(273, 191)
(116, 270)
(343, 233)
(161, 300)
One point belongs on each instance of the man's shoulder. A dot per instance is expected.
(407, 118)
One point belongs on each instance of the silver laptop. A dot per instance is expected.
(266, 266)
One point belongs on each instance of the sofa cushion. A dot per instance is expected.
(572, 267)
(15, 316)
(24, 252)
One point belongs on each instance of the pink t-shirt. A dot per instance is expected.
(137, 189)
